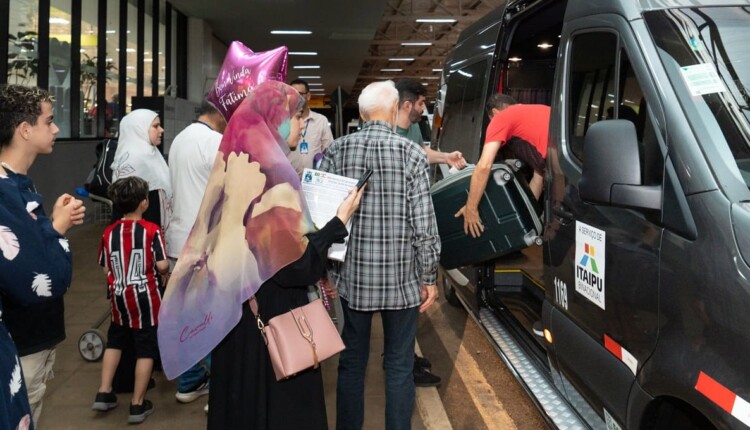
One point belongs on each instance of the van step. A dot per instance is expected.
(536, 382)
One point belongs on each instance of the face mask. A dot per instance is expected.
(285, 129)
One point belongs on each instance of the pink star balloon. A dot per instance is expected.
(241, 71)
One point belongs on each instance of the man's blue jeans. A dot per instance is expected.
(399, 330)
(192, 377)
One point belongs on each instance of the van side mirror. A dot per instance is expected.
(612, 170)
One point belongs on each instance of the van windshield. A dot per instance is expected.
(705, 52)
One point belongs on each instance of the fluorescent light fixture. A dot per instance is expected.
(148, 60)
(130, 50)
(295, 32)
(437, 20)
(302, 53)
(109, 60)
(111, 31)
(437, 70)
(429, 77)
(130, 67)
(56, 20)
(317, 90)
(307, 67)
(401, 59)
(309, 77)
(416, 43)
(83, 50)
(544, 45)
(315, 84)
(425, 84)
(391, 70)
(515, 59)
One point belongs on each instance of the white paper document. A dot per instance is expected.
(324, 192)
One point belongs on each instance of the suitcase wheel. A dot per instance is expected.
(538, 241)
(91, 345)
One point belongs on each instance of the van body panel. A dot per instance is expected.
(675, 289)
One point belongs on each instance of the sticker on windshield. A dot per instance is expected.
(590, 264)
(702, 79)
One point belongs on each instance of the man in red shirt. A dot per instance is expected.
(525, 130)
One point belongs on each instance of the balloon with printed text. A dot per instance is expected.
(241, 71)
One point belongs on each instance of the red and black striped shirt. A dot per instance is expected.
(130, 250)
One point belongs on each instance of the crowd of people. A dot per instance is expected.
(169, 218)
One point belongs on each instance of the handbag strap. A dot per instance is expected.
(254, 307)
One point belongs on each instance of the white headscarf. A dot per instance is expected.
(136, 156)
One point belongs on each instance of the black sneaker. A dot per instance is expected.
(423, 378)
(421, 362)
(104, 402)
(138, 413)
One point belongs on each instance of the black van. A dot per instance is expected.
(640, 294)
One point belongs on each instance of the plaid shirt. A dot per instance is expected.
(394, 245)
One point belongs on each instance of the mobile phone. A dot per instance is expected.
(363, 180)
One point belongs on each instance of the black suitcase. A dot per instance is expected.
(507, 210)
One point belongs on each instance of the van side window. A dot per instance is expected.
(592, 81)
(600, 90)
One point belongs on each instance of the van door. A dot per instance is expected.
(602, 262)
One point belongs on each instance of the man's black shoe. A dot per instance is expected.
(423, 378)
(104, 402)
(421, 362)
(139, 413)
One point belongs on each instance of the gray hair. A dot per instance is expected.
(378, 96)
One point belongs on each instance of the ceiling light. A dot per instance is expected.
(130, 50)
(437, 70)
(515, 59)
(307, 67)
(309, 77)
(401, 59)
(429, 77)
(315, 84)
(56, 20)
(148, 60)
(391, 70)
(302, 53)
(296, 32)
(544, 45)
(425, 83)
(416, 43)
(83, 50)
(111, 31)
(317, 90)
(437, 20)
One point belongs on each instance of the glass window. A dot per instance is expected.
(131, 82)
(60, 63)
(148, 46)
(111, 86)
(162, 48)
(710, 43)
(173, 54)
(23, 60)
(89, 62)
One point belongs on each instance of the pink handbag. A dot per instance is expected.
(299, 339)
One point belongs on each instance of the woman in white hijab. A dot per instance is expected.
(137, 155)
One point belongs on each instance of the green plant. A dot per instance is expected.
(89, 76)
(23, 63)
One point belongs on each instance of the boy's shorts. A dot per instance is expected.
(144, 340)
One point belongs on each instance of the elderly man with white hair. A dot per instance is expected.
(392, 257)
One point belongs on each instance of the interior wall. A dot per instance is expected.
(63, 170)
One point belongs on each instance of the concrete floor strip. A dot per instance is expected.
(430, 406)
(482, 393)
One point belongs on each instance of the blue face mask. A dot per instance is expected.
(285, 129)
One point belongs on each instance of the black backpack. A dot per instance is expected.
(102, 173)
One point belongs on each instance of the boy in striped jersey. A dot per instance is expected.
(133, 256)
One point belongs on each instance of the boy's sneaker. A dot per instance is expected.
(138, 413)
(195, 392)
(423, 378)
(104, 402)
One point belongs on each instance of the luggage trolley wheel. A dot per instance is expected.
(91, 345)
(539, 241)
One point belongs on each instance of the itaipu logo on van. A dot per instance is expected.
(590, 263)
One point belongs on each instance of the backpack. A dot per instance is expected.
(102, 173)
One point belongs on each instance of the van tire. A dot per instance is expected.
(450, 293)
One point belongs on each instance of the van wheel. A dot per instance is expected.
(678, 415)
(450, 293)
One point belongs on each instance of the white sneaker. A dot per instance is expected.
(189, 396)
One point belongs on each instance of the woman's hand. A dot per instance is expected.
(350, 204)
